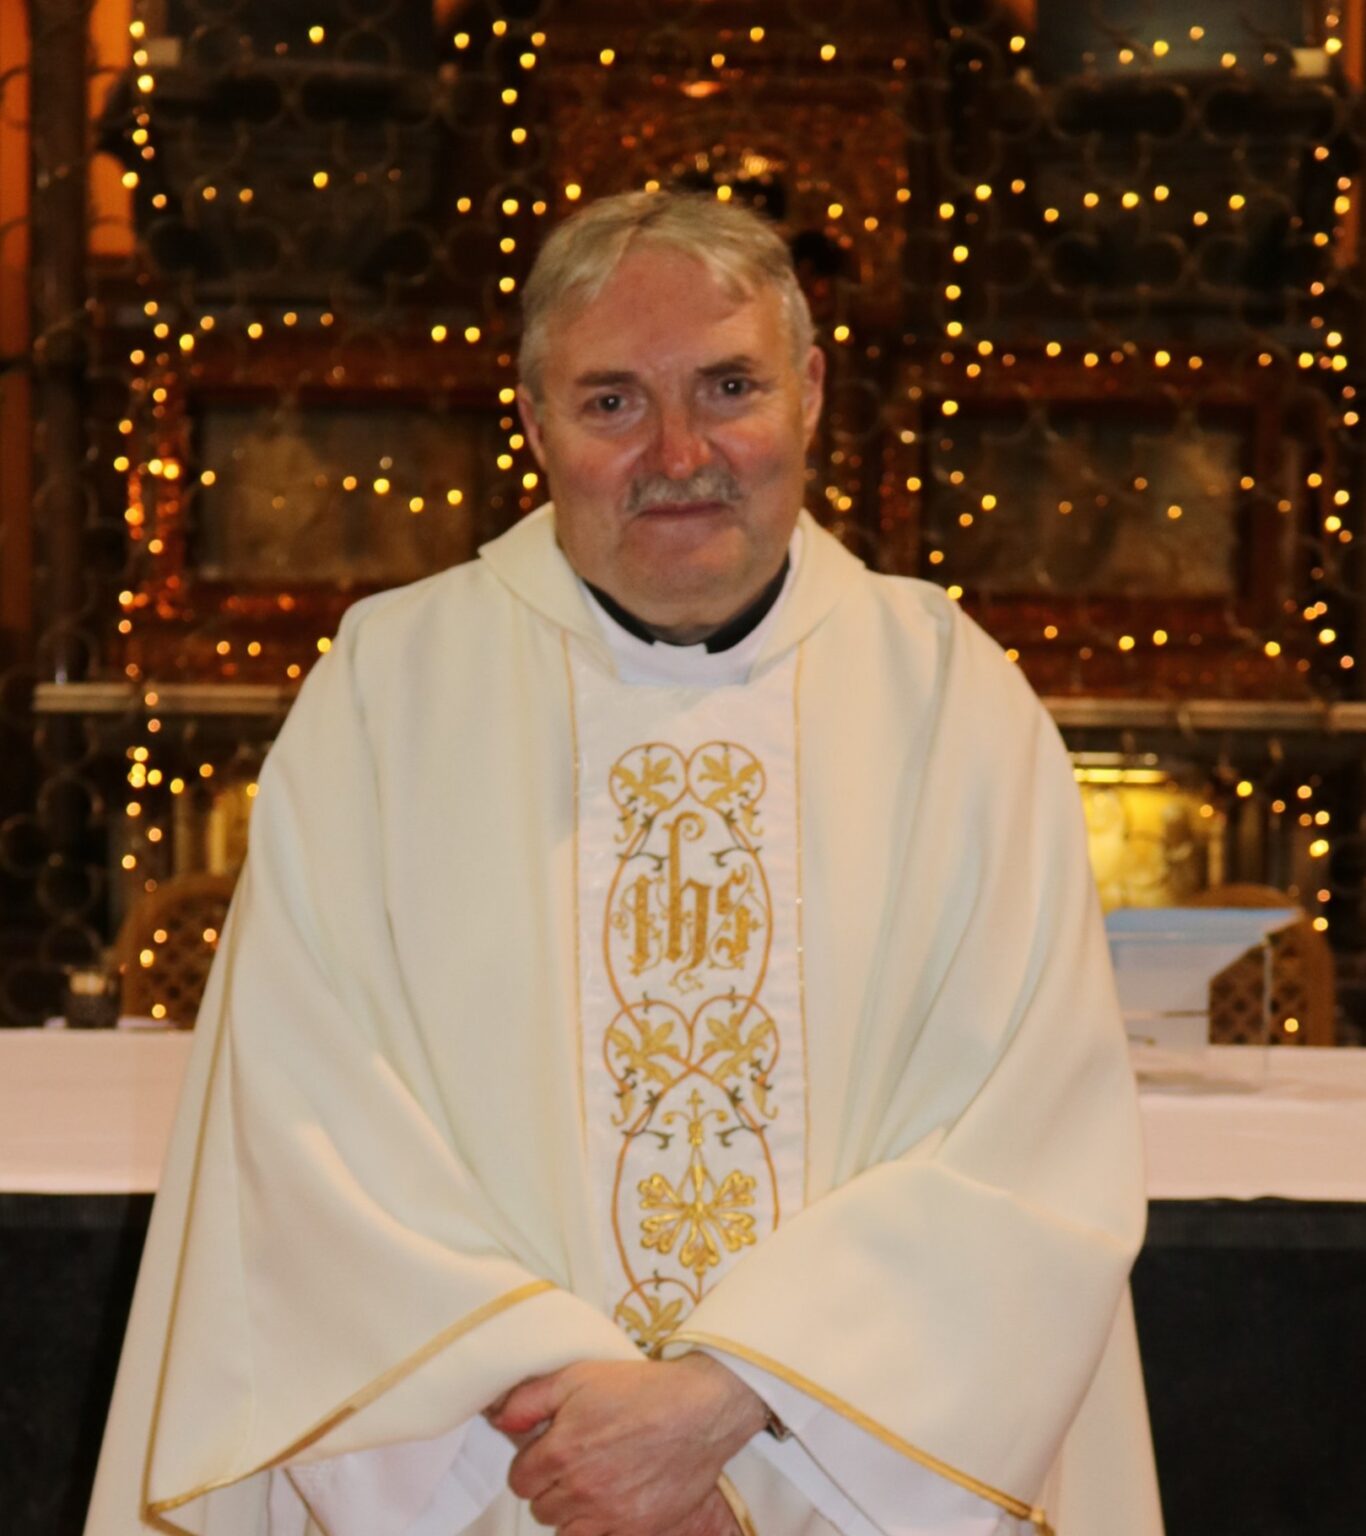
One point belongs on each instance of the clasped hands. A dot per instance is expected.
(628, 1448)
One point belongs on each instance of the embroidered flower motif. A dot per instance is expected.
(651, 1330)
(700, 1210)
(740, 786)
(639, 793)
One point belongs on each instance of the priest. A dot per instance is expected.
(662, 1074)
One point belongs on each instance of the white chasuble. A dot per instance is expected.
(515, 1055)
(694, 1075)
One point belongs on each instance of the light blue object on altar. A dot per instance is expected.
(1166, 957)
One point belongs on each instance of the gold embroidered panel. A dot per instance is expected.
(694, 1078)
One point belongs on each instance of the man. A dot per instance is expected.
(662, 1074)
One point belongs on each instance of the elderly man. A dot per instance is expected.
(662, 1074)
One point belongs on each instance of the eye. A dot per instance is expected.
(606, 405)
(736, 386)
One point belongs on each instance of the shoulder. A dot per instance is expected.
(391, 616)
(919, 609)
(920, 621)
(400, 642)
(962, 700)
(406, 630)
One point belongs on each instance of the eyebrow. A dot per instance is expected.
(605, 378)
(602, 378)
(742, 362)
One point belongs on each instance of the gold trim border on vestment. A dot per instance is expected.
(578, 937)
(201, 1134)
(738, 1508)
(1018, 1508)
(357, 1401)
(800, 830)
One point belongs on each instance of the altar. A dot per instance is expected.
(1250, 1292)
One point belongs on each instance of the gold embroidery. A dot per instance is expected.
(652, 1329)
(726, 1036)
(706, 1208)
(577, 761)
(801, 930)
(640, 795)
(692, 1051)
(733, 784)
(689, 904)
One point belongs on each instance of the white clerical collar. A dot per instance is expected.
(690, 666)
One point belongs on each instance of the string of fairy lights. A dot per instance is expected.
(152, 458)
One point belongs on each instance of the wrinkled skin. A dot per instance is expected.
(628, 1449)
(672, 421)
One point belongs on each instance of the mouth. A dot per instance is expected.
(683, 509)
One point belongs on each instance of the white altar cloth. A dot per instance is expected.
(89, 1112)
(1241, 1122)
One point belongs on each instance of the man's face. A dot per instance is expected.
(672, 427)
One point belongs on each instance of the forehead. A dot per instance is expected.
(659, 310)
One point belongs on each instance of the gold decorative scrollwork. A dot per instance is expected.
(692, 1049)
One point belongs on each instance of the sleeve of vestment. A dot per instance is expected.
(953, 1296)
(860, 1486)
(323, 1274)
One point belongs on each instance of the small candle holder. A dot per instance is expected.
(91, 997)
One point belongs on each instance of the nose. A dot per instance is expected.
(680, 448)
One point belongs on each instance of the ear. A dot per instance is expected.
(526, 409)
(813, 390)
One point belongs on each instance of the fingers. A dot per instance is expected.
(608, 1427)
(712, 1517)
(522, 1441)
(527, 1405)
(545, 1508)
(571, 1511)
(536, 1468)
(559, 1508)
(556, 1508)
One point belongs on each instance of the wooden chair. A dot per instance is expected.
(1303, 998)
(167, 944)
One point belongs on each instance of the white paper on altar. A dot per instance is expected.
(1166, 957)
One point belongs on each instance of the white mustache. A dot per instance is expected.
(713, 482)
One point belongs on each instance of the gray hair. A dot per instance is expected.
(742, 251)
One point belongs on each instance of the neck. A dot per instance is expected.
(716, 637)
